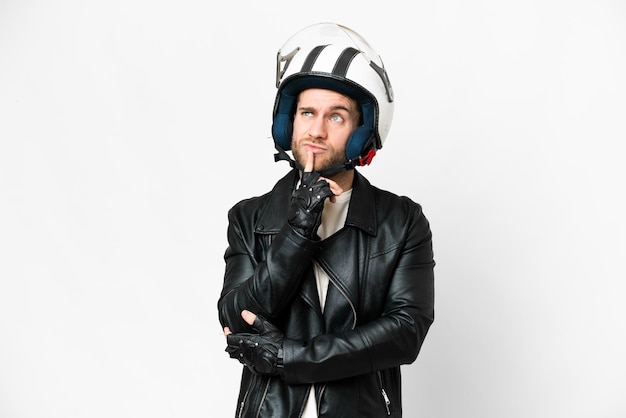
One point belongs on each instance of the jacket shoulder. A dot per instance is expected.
(390, 202)
(247, 209)
(267, 206)
(395, 212)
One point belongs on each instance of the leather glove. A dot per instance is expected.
(307, 203)
(263, 352)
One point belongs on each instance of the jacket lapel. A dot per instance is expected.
(341, 255)
(342, 266)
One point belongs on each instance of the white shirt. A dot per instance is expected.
(333, 219)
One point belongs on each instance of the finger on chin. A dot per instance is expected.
(310, 161)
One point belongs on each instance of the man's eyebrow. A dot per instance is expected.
(313, 109)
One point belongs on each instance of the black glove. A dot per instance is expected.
(263, 352)
(307, 203)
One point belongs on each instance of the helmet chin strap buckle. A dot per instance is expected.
(367, 159)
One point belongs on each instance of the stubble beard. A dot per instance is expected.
(336, 158)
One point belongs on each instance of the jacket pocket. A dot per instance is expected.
(383, 393)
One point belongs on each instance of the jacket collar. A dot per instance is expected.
(361, 213)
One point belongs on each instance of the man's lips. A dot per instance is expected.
(316, 149)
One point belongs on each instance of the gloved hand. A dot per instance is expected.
(263, 352)
(307, 203)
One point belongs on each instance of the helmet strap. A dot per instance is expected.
(282, 155)
(348, 165)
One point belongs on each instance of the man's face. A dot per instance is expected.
(323, 121)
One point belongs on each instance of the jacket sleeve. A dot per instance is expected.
(389, 340)
(263, 286)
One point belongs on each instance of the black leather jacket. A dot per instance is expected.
(379, 306)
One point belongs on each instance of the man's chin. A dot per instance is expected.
(323, 167)
(320, 165)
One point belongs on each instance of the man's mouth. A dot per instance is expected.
(316, 149)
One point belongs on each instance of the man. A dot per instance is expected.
(329, 284)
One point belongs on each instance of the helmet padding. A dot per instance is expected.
(282, 128)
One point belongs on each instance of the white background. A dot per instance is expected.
(128, 128)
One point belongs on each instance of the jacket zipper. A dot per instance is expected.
(247, 394)
(319, 404)
(384, 393)
(267, 379)
(243, 400)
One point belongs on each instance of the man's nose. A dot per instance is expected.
(317, 128)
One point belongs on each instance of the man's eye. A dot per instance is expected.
(307, 113)
(336, 118)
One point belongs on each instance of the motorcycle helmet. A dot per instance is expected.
(333, 57)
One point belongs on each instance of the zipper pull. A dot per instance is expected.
(240, 409)
(387, 401)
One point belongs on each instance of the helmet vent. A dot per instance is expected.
(282, 63)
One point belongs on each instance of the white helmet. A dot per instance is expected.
(334, 57)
